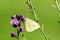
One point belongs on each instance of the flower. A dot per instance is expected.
(13, 34)
(15, 22)
(21, 29)
(22, 18)
(18, 17)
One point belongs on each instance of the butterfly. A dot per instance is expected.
(31, 25)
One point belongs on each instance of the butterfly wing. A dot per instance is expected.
(31, 25)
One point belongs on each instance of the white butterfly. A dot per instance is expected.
(31, 25)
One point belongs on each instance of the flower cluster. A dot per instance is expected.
(16, 21)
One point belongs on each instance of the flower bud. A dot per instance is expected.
(13, 34)
(18, 17)
(21, 29)
(22, 19)
(12, 17)
(26, 2)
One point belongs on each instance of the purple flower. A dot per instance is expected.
(14, 21)
(21, 29)
(13, 34)
(22, 19)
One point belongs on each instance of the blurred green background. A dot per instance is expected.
(47, 15)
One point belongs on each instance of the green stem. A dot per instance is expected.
(17, 34)
(33, 12)
(35, 16)
(22, 37)
(57, 5)
(43, 34)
